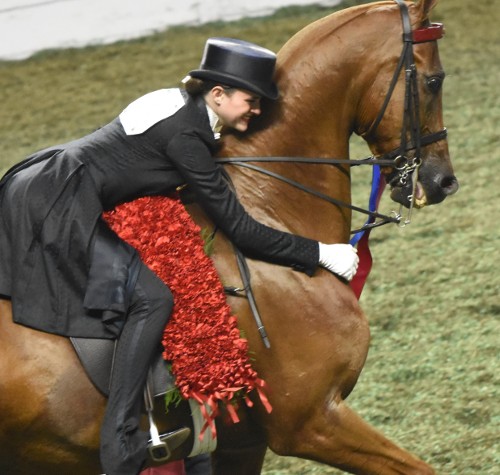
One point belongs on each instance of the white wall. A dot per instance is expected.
(27, 26)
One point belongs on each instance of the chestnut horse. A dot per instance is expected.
(334, 75)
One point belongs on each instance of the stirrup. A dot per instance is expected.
(160, 446)
(160, 449)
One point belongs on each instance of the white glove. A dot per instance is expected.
(341, 259)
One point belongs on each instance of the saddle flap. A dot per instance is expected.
(96, 356)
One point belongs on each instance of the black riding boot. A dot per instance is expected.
(123, 444)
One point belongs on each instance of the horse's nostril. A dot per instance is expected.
(449, 184)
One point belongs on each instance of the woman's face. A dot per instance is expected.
(235, 107)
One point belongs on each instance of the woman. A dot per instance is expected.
(67, 273)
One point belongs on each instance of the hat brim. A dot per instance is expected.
(266, 90)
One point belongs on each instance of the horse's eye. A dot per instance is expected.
(434, 84)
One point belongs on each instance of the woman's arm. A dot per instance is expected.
(192, 157)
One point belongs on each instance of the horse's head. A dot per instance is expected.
(404, 117)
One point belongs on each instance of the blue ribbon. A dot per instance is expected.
(372, 204)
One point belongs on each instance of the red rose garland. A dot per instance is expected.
(202, 341)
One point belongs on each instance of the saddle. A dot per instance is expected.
(97, 355)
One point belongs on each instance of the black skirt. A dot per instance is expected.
(65, 271)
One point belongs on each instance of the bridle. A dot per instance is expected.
(405, 167)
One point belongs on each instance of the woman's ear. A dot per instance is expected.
(217, 93)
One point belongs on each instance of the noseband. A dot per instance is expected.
(405, 167)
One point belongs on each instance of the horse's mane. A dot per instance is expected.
(324, 27)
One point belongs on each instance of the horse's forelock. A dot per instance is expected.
(423, 8)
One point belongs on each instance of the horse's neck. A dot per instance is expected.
(325, 74)
(322, 87)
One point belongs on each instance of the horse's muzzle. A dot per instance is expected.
(429, 192)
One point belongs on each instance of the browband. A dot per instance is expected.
(430, 33)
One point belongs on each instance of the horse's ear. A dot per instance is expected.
(425, 6)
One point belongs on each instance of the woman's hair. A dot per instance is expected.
(195, 86)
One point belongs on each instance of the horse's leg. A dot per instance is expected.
(241, 447)
(240, 461)
(337, 436)
(310, 374)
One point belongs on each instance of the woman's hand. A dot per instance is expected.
(341, 259)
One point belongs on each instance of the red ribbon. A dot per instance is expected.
(362, 243)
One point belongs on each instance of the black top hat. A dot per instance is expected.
(239, 64)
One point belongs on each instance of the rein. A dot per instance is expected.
(373, 214)
(405, 167)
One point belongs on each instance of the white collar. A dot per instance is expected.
(214, 121)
